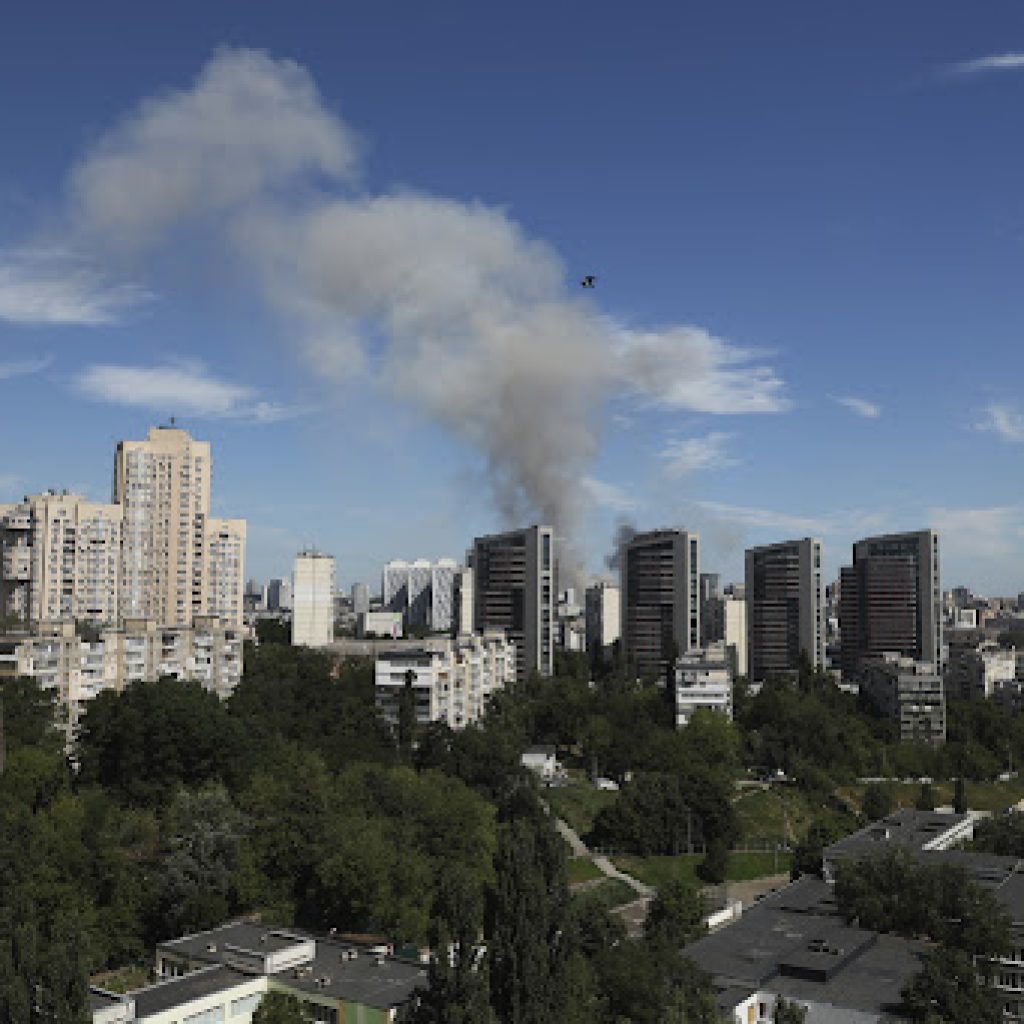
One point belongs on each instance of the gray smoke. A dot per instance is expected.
(445, 305)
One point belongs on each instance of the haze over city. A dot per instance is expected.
(350, 258)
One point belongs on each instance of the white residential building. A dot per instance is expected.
(79, 667)
(450, 684)
(313, 582)
(703, 682)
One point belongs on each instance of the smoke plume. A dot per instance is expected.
(447, 305)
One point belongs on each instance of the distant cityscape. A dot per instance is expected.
(95, 596)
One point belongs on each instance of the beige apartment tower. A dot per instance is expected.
(176, 560)
(60, 559)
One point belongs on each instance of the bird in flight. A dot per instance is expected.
(588, 281)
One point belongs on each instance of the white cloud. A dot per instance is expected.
(24, 367)
(59, 287)
(994, 62)
(685, 367)
(1004, 420)
(687, 455)
(861, 406)
(608, 496)
(184, 388)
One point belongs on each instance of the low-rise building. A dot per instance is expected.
(223, 974)
(79, 665)
(976, 672)
(908, 691)
(703, 682)
(451, 683)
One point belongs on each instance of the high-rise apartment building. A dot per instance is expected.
(60, 559)
(176, 560)
(313, 599)
(514, 583)
(660, 600)
(890, 601)
(785, 607)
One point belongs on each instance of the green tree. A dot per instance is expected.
(949, 988)
(529, 915)
(280, 1008)
(878, 801)
(457, 983)
(788, 1012)
(675, 916)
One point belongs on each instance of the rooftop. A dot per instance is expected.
(794, 943)
(914, 830)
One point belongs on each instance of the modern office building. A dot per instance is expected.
(890, 601)
(60, 559)
(785, 607)
(660, 600)
(704, 681)
(909, 692)
(313, 580)
(176, 559)
(712, 610)
(450, 684)
(604, 617)
(514, 586)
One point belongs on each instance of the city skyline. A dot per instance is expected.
(801, 325)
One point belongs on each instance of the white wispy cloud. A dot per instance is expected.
(992, 532)
(861, 406)
(688, 368)
(184, 388)
(1013, 61)
(55, 286)
(1005, 420)
(24, 367)
(609, 496)
(690, 454)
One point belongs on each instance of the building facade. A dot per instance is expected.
(660, 573)
(891, 601)
(703, 682)
(60, 559)
(909, 692)
(785, 607)
(514, 587)
(451, 684)
(77, 667)
(604, 618)
(313, 582)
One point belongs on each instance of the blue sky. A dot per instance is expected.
(343, 243)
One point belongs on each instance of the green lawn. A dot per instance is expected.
(581, 869)
(657, 871)
(578, 805)
(774, 813)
